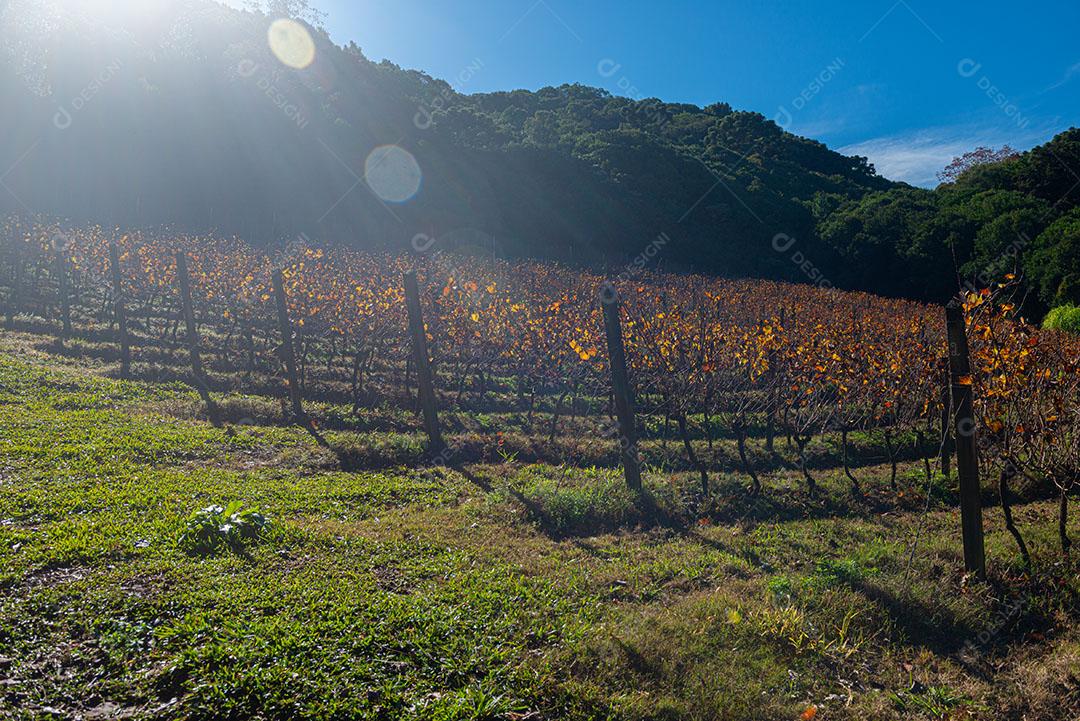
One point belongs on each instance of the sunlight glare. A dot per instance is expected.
(392, 173)
(291, 43)
(129, 13)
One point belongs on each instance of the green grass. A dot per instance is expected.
(383, 589)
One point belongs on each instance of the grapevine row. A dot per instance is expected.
(755, 358)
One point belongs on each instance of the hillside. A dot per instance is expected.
(199, 126)
(180, 115)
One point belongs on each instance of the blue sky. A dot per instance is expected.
(909, 84)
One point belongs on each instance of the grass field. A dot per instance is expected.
(508, 586)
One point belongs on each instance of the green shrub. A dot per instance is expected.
(1064, 317)
(215, 528)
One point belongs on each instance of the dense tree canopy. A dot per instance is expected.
(1054, 266)
(1000, 214)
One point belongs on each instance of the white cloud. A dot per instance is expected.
(917, 156)
(1070, 73)
(913, 158)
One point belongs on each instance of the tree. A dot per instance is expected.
(299, 9)
(1053, 265)
(892, 243)
(981, 155)
(542, 129)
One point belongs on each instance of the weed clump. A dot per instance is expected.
(214, 529)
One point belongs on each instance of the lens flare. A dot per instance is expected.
(392, 173)
(291, 43)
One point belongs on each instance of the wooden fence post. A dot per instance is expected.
(16, 281)
(288, 357)
(120, 311)
(620, 384)
(192, 337)
(65, 292)
(424, 374)
(946, 433)
(967, 459)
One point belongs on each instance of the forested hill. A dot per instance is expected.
(181, 115)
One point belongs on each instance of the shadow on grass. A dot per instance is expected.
(581, 502)
(939, 626)
(647, 512)
(567, 508)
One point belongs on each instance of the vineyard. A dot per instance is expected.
(707, 358)
(436, 486)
